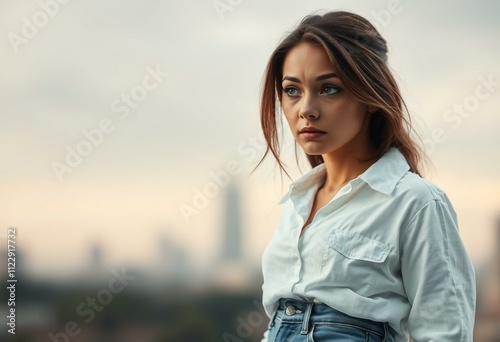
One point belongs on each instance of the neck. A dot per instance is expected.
(344, 165)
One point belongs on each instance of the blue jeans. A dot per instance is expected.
(303, 321)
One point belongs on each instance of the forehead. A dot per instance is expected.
(306, 57)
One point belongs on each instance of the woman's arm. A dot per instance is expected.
(438, 276)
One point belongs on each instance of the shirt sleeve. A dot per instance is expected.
(438, 276)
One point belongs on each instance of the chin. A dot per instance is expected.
(313, 151)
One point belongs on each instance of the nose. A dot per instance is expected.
(308, 110)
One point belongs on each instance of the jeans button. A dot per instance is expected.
(290, 310)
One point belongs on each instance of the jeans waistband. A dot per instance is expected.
(305, 312)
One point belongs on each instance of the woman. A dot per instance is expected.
(366, 249)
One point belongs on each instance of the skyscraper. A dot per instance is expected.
(232, 224)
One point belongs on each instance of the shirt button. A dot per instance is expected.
(290, 310)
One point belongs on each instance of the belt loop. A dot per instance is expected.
(305, 322)
(386, 333)
(271, 322)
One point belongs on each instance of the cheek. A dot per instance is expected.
(287, 108)
(349, 116)
(292, 125)
(289, 114)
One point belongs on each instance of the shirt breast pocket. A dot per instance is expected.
(353, 261)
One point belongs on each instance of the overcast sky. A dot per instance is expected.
(174, 87)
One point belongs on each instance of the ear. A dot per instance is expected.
(371, 109)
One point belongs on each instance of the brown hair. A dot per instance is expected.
(359, 52)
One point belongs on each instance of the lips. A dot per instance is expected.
(311, 133)
(311, 130)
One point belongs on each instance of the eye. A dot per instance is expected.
(330, 90)
(291, 91)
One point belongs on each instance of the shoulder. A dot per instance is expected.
(415, 194)
(417, 189)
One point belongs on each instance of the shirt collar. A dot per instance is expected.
(381, 176)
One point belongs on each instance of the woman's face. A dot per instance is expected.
(313, 96)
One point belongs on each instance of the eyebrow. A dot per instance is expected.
(319, 78)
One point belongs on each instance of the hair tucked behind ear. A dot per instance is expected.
(359, 53)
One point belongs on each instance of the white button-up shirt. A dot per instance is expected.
(386, 248)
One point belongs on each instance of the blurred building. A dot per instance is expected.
(173, 261)
(232, 224)
(232, 271)
(487, 328)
